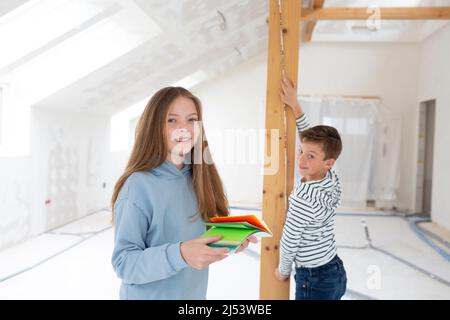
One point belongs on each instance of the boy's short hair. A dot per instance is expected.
(327, 136)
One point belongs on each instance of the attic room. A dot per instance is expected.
(76, 77)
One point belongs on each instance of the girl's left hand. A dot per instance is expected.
(245, 244)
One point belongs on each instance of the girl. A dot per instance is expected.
(161, 201)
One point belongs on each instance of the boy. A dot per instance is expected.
(308, 234)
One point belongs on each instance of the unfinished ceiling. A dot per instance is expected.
(172, 40)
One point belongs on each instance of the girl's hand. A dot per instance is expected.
(245, 244)
(279, 276)
(198, 255)
(289, 96)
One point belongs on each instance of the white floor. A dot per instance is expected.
(73, 262)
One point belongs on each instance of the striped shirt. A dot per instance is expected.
(308, 235)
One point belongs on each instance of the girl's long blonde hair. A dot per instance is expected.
(150, 151)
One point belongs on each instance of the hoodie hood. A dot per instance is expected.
(326, 191)
(169, 170)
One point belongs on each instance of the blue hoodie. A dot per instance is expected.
(155, 211)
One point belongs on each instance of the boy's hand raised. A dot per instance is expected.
(289, 96)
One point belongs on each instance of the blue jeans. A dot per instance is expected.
(327, 282)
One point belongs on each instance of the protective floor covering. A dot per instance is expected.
(73, 262)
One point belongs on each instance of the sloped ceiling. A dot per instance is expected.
(210, 36)
(9, 5)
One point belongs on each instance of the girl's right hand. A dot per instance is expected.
(198, 255)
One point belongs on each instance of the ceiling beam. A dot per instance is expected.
(394, 13)
(310, 25)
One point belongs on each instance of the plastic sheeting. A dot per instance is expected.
(368, 165)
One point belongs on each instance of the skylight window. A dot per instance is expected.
(36, 23)
(47, 45)
(86, 52)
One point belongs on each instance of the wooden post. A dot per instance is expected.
(392, 13)
(310, 25)
(278, 185)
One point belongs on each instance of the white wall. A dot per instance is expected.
(435, 84)
(234, 103)
(66, 165)
(389, 71)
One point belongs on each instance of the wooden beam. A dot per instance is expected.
(340, 96)
(279, 183)
(310, 25)
(394, 13)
